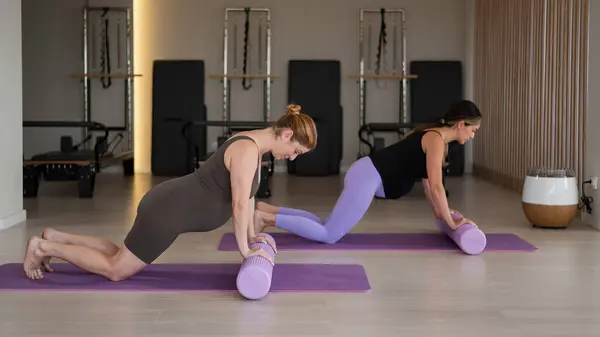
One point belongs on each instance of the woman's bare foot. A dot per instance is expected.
(50, 235)
(33, 259)
(262, 220)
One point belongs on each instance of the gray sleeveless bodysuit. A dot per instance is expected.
(197, 202)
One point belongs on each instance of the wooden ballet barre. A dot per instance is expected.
(385, 76)
(242, 76)
(114, 75)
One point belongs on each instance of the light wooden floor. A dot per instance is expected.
(552, 292)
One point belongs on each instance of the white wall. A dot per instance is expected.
(11, 150)
(192, 29)
(592, 156)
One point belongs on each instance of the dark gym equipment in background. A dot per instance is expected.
(177, 94)
(439, 85)
(72, 162)
(104, 29)
(179, 125)
(315, 85)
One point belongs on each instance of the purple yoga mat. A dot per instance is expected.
(217, 277)
(496, 242)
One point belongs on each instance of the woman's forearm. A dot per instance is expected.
(434, 208)
(438, 194)
(241, 222)
(251, 209)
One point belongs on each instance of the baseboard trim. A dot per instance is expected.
(13, 219)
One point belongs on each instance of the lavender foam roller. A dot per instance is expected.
(254, 277)
(468, 237)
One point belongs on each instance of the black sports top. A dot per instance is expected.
(401, 164)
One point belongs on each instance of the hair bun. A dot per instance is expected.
(293, 109)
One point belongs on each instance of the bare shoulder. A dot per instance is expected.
(432, 140)
(242, 151)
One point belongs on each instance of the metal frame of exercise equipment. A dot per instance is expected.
(226, 77)
(403, 76)
(128, 76)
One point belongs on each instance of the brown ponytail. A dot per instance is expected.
(463, 110)
(423, 126)
(302, 125)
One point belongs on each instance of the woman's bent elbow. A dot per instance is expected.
(239, 206)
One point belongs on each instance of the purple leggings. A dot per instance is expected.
(361, 183)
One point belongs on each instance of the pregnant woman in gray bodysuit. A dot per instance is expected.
(223, 188)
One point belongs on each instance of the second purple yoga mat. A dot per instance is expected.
(496, 242)
(216, 277)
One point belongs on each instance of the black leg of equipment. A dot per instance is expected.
(86, 181)
(31, 181)
(337, 134)
(128, 167)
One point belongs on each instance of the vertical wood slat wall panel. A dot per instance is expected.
(530, 78)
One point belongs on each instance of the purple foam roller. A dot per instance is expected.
(254, 277)
(469, 238)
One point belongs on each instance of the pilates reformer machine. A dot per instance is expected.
(70, 163)
(107, 32)
(380, 72)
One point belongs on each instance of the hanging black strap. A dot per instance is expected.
(382, 42)
(105, 51)
(246, 83)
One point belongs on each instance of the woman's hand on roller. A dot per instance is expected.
(462, 221)
(259, 252)
(459, 214)
(471, 222)
(264, 239)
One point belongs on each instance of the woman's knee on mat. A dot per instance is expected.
(123, 265)
(332, 237)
